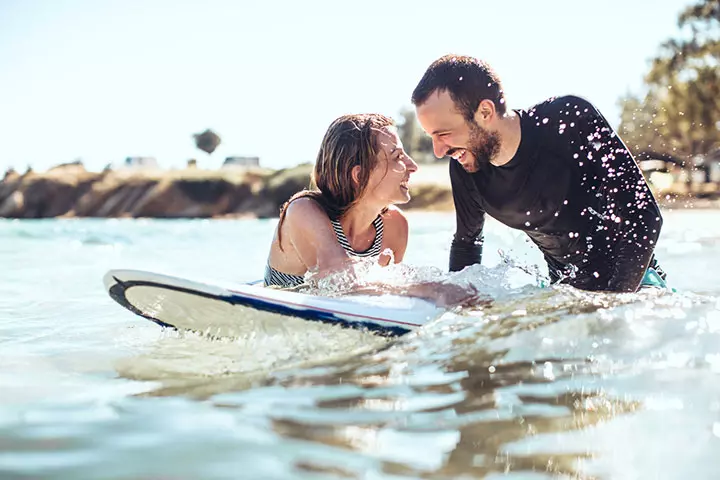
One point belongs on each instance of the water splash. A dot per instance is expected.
(540, 279)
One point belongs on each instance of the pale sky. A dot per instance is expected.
(101, 80)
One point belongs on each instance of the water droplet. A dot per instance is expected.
(548, 371)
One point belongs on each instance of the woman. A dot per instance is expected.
(361, 172)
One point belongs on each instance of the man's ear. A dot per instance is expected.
(355, 173)
(485, 112)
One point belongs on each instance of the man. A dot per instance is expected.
(557, 171)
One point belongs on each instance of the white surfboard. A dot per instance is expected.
(223, 310)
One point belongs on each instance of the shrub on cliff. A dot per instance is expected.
(281, 185)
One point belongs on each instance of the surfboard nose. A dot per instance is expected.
(116, 276)
(109, 279)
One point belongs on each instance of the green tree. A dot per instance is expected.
(679, 113)
(207, 141)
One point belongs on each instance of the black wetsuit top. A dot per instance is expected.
(576, 191)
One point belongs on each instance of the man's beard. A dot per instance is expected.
(483, 144)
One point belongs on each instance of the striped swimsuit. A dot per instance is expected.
(286, 280)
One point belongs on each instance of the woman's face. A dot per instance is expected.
(388, 182)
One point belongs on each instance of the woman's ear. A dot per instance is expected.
(355, 173)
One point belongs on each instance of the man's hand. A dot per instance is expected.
(444, 295)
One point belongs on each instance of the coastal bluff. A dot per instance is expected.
(72, 191)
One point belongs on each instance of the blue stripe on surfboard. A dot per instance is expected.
(321, 309)
(118, 293)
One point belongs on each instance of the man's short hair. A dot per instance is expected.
(467, 79)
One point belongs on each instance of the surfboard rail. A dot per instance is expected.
(149, 295)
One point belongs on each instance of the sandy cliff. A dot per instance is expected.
(71, 191)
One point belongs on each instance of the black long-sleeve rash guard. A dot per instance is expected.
(576, 191)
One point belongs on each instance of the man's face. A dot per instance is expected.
(467, 142)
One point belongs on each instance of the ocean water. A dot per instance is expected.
(542, 383)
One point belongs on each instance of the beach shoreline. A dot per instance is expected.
(69, 191)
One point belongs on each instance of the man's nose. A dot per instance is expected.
(439, 148)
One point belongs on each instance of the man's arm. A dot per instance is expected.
(467, 244)
(629, 203)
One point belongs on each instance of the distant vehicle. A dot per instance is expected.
(242, 162)
(139, 162)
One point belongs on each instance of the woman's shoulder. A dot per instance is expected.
(304, 212)
(393, 211)
(304, 206)
(394, 217)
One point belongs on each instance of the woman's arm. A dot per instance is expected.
(395, 235)
(308, 229)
